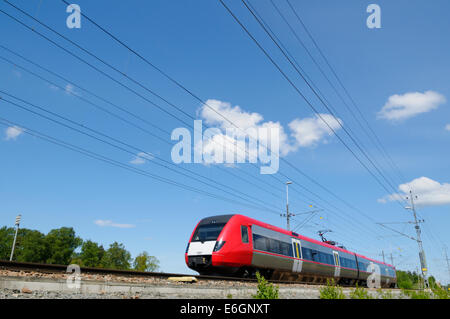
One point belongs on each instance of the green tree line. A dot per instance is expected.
(62, 246)
(412, 280)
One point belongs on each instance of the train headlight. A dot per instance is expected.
(218, 245)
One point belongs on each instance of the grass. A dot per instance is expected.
(417, 294)
(265, 289)
(331, 291)
(441, 293)
(360, 293)
(384, 295)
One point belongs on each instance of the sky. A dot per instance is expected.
(397, 76)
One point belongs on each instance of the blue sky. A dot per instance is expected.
(201, 46)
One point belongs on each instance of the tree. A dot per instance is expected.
(404, 279)
(145, 262)
(91, 254)
(432, 282)
(6, 241)
(116, 257)
(31, 246)
(62, 243)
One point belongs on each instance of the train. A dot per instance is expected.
(239, 246)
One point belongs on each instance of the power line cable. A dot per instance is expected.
(299, 40)
(152, 65)
(288, 79)
(316, 94)
(380, 145)
(101, 108)
(47, 38)
(223, 187)
(108, 160)
(98, 70)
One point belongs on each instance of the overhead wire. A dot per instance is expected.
(148, 62)
(222, 187)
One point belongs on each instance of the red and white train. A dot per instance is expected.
(236, 245)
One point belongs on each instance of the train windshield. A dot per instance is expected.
(208, 232)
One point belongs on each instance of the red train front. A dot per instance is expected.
(220, 245)
(236, 245)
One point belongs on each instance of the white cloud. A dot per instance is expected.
(70, 89)
(305, 132)
(109, 223)
(141, 158)
(310, 131)
(447, 127)
(12, 132)
(53, 87)
(401, 107)
(428, 192)
(226, 117)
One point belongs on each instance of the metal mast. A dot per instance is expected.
(446, 258)
(15, 236)
(287, 215)
(423, 261)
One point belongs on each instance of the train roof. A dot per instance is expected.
(216, 219)
(290, 233)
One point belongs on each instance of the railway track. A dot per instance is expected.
(62, 269)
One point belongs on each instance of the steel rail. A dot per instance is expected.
(55, 268)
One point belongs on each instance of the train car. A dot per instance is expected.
(236, 245)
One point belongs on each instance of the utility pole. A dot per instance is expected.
(382, 252)
(287, 215)
(392, 260)
(15, 236)
(446, 258)
(423, 262)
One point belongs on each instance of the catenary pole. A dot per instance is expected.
(15, 236)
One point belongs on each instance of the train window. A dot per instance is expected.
(297, 250)
(259, 242)
(286, 249)
(306, 252)
(314, 255)
(350, 263)
(207, 232)
(244, 234)
(362, 266)
(322, 258)
(271, 245)
(365, 267)
(330, 259)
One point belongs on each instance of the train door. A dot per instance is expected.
(297, 249)
(337, 269)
